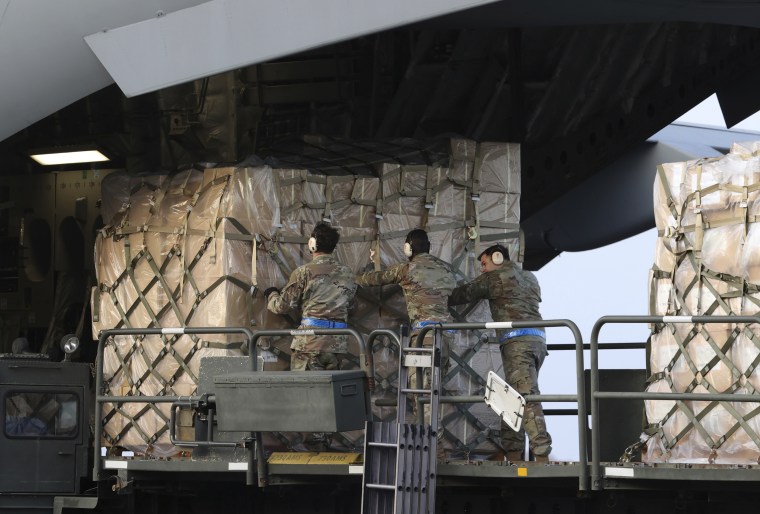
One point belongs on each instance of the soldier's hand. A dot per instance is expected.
(270, 290)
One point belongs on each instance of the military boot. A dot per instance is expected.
(515, 456)
(541, 459)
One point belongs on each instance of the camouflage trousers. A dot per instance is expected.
(522, 361)
(317, 361)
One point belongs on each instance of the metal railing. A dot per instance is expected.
(366, 362)
(256, 453)
(596, 395)
(366, 359)
(101, 397)
(579, 398)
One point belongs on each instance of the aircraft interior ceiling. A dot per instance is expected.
(582, 99)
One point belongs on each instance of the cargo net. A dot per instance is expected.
(706, 263)
(196, 248)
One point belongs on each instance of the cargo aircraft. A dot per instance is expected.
(589, 89)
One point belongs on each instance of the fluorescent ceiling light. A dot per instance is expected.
(51, 158)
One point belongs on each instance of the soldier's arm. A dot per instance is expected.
(381, 278)
(352, 303)
(290, 296)
(467, 293)
(349, 286)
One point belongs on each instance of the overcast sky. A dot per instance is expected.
(584, 286)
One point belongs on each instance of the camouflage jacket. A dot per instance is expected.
(513, 294)
(324, 289)
(427, 282)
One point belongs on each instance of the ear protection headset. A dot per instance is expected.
(497, 258)
(408, 249)
(312, 244)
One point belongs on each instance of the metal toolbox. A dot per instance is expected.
(288, 401)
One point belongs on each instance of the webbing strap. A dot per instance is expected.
(219, 345)
(171, 304)
(477, 170)
(744, 189)
(154, 319)
(521, 246)
(131, 423)
(653, 295)
(95, 294)
(380, 196)
(462, 361)
(749, 334)
(475, 200)
(430, 183)
(277, 256)
(358, 197)
(219, 234)
(378, 258)
(499, 224)
(158, 278)
(123, 362)
(193, 201)
(702, 224)
(658, 273)
(719, 356)
(672, 207)
(461, 256)
(254, 265)
(694, 423)
(150, 366)
(165, 286)
(741, 422)
(430, 228)
(501, 237)
(703, 279)
(329, 187)
(214, 222)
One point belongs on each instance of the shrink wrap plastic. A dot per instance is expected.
(196, 248)
(707, 262)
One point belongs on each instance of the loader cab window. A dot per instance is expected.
(41, 415)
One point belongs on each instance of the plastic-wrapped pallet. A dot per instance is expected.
(194, 248)
(706, 263)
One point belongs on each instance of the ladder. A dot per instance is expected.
(400, 458)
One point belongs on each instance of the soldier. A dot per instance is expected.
(426, 282)
(513, 294)
(323, 290)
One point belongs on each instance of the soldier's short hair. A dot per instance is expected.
(493, 249)
(327, 237)
(418, 238)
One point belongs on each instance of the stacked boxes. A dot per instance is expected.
(196, 248)
(706, 263)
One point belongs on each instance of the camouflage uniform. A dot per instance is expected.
(513, 294)
(427, 282)
(322, 289)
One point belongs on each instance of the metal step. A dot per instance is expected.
(400, 458)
